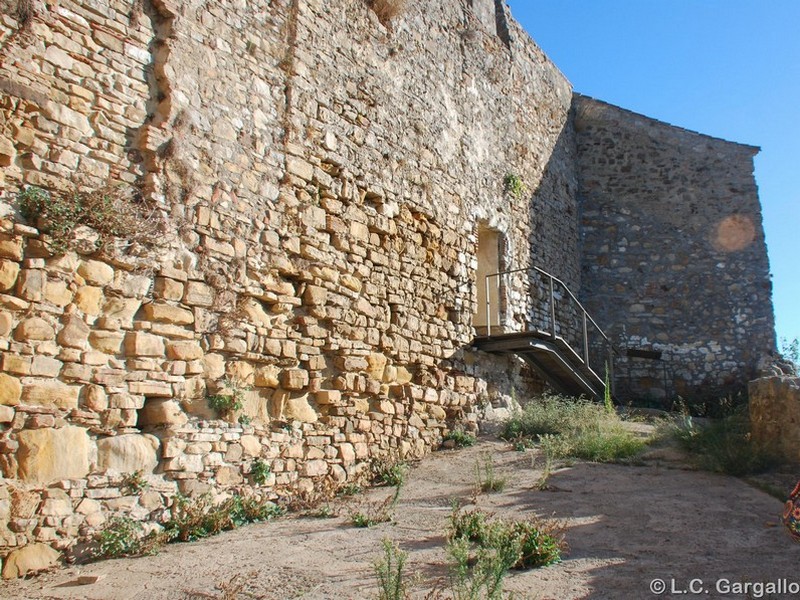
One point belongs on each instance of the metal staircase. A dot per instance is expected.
(562, 342)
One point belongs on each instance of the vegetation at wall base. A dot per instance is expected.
(724, 445)
(388, 472)
(573, 428)
(191, 519)
(460, 438)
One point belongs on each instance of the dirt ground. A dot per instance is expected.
(626, 526)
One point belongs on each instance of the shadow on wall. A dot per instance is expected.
(546, 218)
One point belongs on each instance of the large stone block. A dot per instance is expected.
(47, 455)
(184, 350)
(128, 453)
(53, 393)
(8, 275)
(108, 342)
(30, 559)
(10, 390)
(158, 412)
(96, 272)
(89, 299)
(139, 343)
(166, 313)
(34, 329)
(198, 294)
(297, 408)
(74, 334)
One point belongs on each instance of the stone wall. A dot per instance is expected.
(674, 259)
(320, 178)
(775, 415)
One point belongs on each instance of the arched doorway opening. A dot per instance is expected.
(489, 253)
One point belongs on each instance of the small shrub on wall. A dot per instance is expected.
(112, 211)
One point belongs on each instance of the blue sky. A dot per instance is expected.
(726, 68)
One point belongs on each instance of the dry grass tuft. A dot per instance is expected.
(386, 10)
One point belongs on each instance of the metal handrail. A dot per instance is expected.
(586, 318)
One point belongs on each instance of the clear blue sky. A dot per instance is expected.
(726, 68)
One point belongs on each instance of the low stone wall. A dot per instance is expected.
(775, 414)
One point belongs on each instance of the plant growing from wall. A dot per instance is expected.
(259, 471)
(230, 398)
(790, 349)
(460, 438)
(514, 186)
(113, 211)
(120, 537)
(133, 483)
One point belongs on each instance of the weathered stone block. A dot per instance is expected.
(139, 343)
(168, 289)
(166, 313)
(228, 476)
(34, 329)
(315, 295)
(294, 379)
(267, 376)
(121, 309)
(30, 559)
(10, 390)
(30, 284)
(50, 393)
(250, 445)
(74, 334)
(298, 408)
(89, 299)
(56, 292)
(95, 398)
(45, 366)
(11, 247)
(158, 412)
(6, 323)
(213, 366)
(47, 455)
(8, 275)
(328, 396)
(108, 342)
(152, 389)
(128, 453)
(314, 468)
(198, 294)
(184, 350)
(376, 364)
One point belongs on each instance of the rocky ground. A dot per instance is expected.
(626, 526)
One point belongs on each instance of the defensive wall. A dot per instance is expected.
(324, 193)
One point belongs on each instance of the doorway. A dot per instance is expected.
(488, 254)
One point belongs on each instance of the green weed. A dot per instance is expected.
(486, 479)
(260, 471)
(484, 548)
(569, 428)
(724, 445)
(389, 572)
(460, 438)
(122, 536)
(389, 472)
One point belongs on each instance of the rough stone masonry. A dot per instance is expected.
(321, 180)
